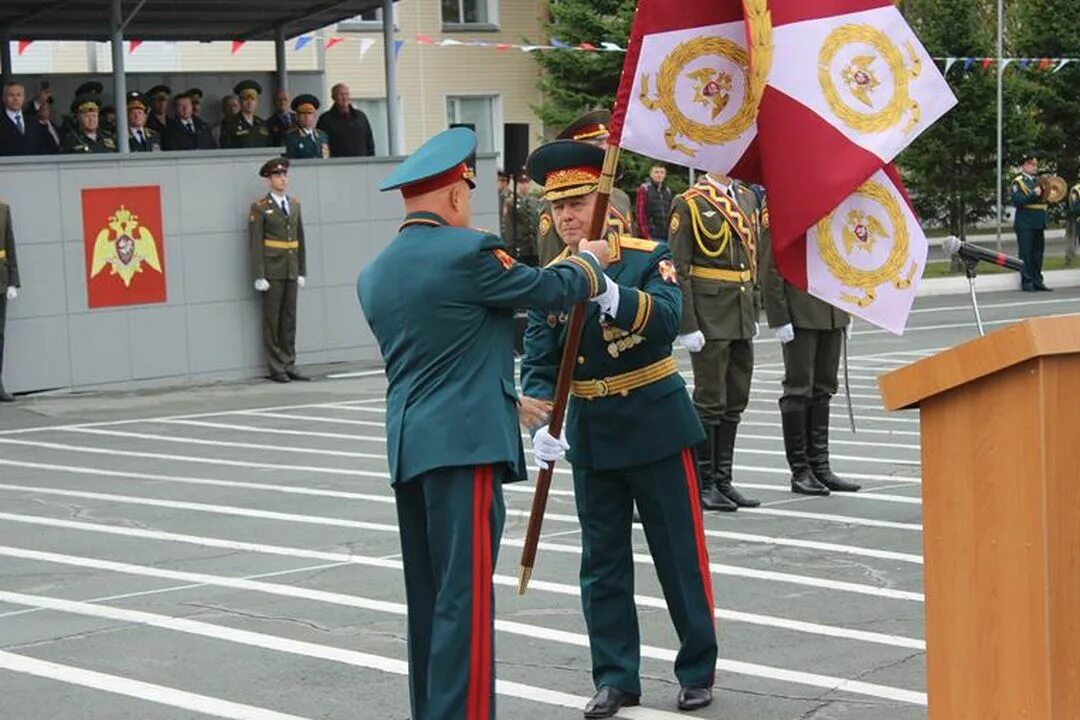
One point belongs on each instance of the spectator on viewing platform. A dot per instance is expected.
(185, 131)
(159, 105)
(230, 108)
(88, 136)
(196, 96)
(19, 132)
(284, 119)
(246, 130)
(49, 140)
(306, 140)
(348, 128)
(140, 137)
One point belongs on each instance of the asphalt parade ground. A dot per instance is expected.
(231, 551)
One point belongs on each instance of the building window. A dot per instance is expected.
(469, 12)
(375, 109)
(367, 21)
(479, 112)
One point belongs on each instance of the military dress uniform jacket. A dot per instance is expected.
(239, 133)
(548, 242)
(151, 141)
(77, 142)
(9, 266)
(1030, 208)
(1074, 203)
(277, 242)
(716, 242)
(441, 302)
(787, 304)
(629, 405)
(300, 144)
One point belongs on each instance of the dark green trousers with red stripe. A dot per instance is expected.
(450, 521)
(666, 493)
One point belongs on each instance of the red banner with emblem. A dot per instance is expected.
(124, 245)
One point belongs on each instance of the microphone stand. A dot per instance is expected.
(969, 270)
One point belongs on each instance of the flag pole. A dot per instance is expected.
(1000, 118)
(597, 230)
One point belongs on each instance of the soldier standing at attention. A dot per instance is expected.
(440, 299)
(305, 140)
(716, 231)
(1029, 222)
(87, 136)
(631, 431)
(9, 284)
(592, 127)
(812, 336)
(246, 130)
(518, 222)
(278, 258)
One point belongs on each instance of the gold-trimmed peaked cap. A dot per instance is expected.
(566, 168)
(593, 126)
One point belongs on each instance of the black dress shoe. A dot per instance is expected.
(294, 375)
(1043, 288)
(806, 484)
(609, 700)
(1027, 289)
(279, 377)
(694, 698)
(732, 493)
(5, 396)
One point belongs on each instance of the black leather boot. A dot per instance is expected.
(711, 497)
(723, 459)
(802, 480)
(817, 423)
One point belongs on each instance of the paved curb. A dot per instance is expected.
(994, 283)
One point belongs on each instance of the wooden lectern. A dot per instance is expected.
(1000, 419)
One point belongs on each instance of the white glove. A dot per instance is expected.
(262, 285)
(694, 342)
(757, 331)
(12, 292)
(785, 333)
(300, 281)
(547, 449)
(609, 299)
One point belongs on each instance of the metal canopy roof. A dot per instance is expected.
(174, 19)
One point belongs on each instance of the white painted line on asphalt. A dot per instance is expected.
(271, 431)
(838, 441)
(842, 519)
(992, 306)
(958, 326)
(839, 415)
(780, 371)
(358, 374)
(861, 495)
(306, 418)
(504, 580)
(117, 685)
(305, 649)
(835, 456)
(814, 545)
(852, 475)
(388, 528)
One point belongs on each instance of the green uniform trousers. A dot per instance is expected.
(722, 373)
(279, 326)
(811, 363)
(1032, 244)
(666, 494)
(450, 521)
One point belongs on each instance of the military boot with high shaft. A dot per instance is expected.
(723, 459)
(817, 424)
(802, 480)
(711, 497)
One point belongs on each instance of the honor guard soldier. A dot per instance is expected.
(811, 333)
(631, 431)
(518, 221)
(246, 130)
(305, 140)
(716, 230)
(440, 300)
(278, 258)
(140, 137)
(592, 127)
(87, 136)
(159, 107)
(9, 284)
(1029, 222)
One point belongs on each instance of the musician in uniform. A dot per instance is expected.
(1072, 212)
(631, 431)
(1029, 222)
(279, 264)
(592, 127)
(440, 301)
(716, 231)
(811, 333)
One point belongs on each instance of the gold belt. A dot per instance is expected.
(622, 384)
(282, 244)
(734, 276)
(3, 254)
(1036, 206)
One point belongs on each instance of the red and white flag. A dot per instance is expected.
(687, 95)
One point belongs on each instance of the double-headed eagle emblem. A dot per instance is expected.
(123, 246)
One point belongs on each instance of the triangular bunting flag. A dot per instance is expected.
(336, 40)
(301, 42)
(397, 47)
(133, 45)
(23, 44)
(365, 45)
(236, 45)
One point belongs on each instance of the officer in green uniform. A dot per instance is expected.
(9, 283)
(87, 136)
(246, 130)
(196, 95)
(716, 230)
(1072, 211)
(440, 301)
(518, 222)
(159, 105)
(1029, 223)
(140, 137)
(631, 431)
(278, 258)
(592, 127)
(811, 333)
(305, 140)
(93, 88)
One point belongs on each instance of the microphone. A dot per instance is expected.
(954, 246)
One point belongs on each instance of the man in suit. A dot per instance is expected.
(284, 118)
(440, 300)
(9, 283)
(87, 137)
(140, 137)
(279, 264)
(716, 232)
(159, 107)
(348, 128)
(305, 140)
(185, 131)
(20, 133)
(631, 431)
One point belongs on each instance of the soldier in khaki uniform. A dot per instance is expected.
(517, 225)
(279, 266)
(592, 127)
(716, 230)
(9, 283)
(246, 130)
(812, 335)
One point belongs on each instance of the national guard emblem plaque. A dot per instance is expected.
(124, 246)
